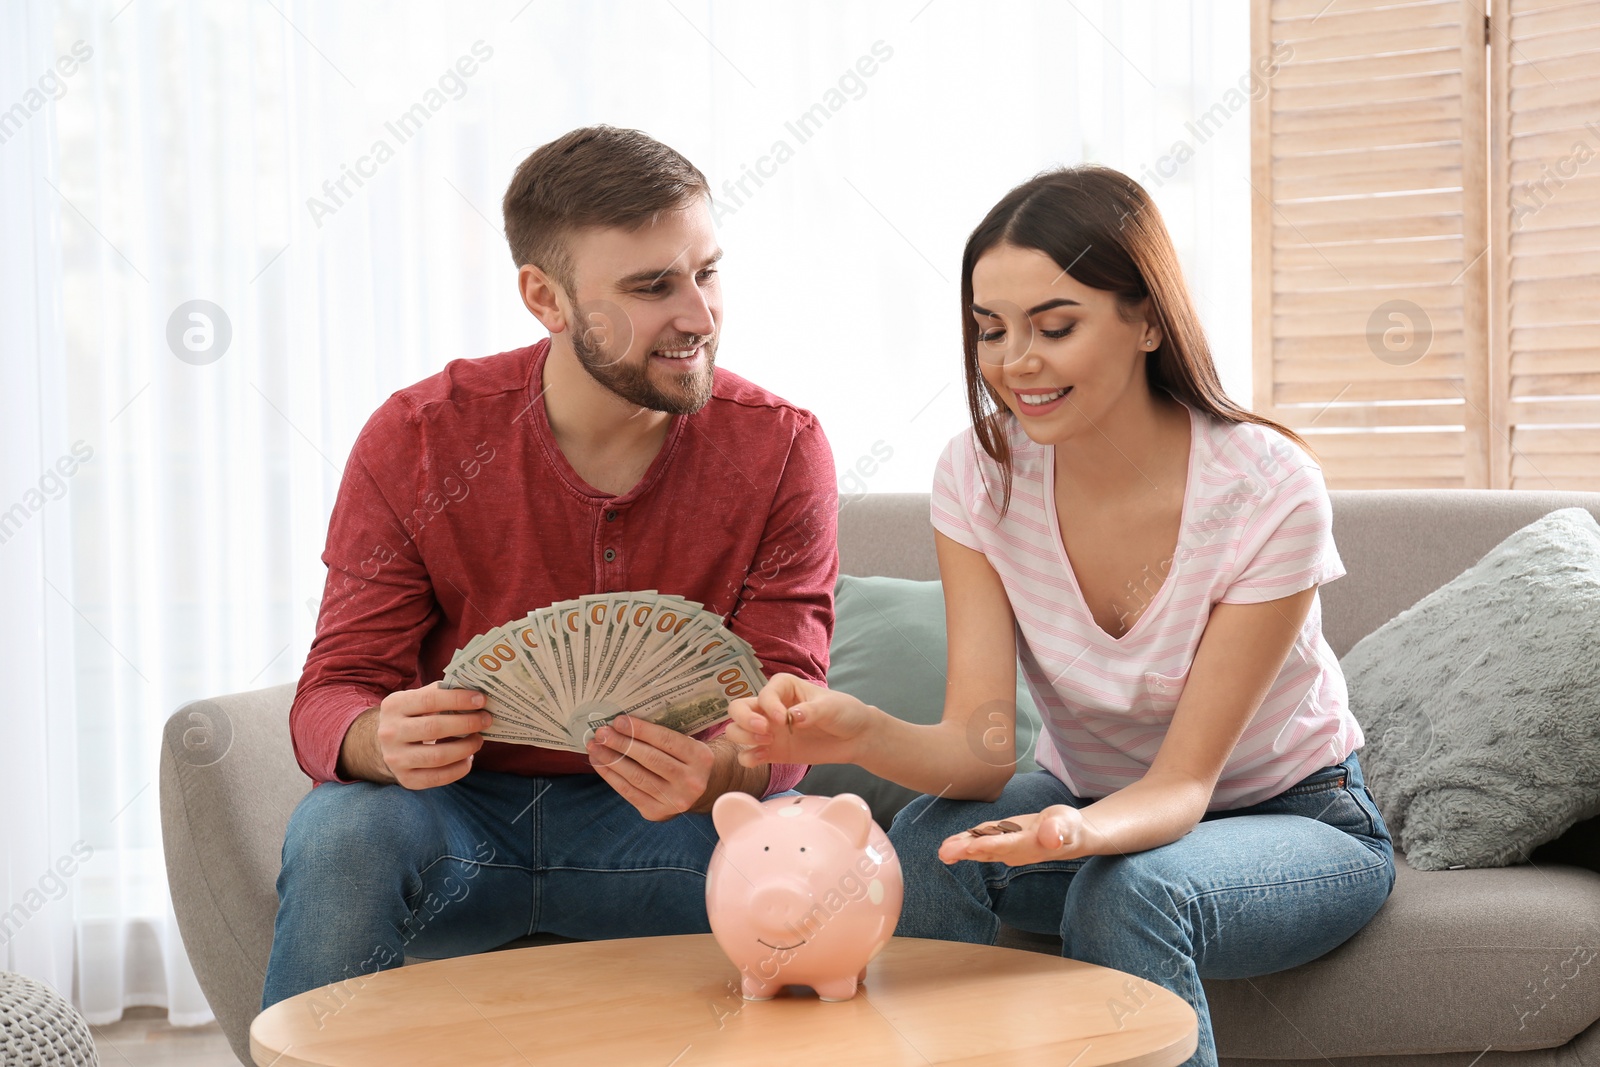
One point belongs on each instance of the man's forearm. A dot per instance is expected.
(360, 755)
(728, 776)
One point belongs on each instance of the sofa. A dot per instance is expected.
(1461, 968)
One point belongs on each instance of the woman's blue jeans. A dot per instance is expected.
(1246, 892)
(374, 873)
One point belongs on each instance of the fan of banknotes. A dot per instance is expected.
(553, 678)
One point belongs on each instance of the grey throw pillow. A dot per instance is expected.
(889, 650)
(1481, 702)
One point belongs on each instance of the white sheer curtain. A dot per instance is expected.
(327, 178)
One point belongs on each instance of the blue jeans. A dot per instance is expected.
(1246, 892)
(374, 873)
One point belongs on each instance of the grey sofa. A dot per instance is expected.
(1480, 968)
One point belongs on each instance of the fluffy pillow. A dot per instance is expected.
(889, 650)
(1481, 702)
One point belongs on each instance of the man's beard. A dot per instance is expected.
(632, 383)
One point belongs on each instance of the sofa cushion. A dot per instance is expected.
(889, 650)
(1481, 702)
(1454, 961)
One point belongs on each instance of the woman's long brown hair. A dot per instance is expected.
(1101, 227)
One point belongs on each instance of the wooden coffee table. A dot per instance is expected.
(674, 1002)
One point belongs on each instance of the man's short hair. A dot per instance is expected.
(594, 176)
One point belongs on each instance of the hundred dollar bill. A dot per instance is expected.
(494, 668)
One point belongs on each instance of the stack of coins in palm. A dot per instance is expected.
(553, 678)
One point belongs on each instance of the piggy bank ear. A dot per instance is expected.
(733, 810)
(849, 813)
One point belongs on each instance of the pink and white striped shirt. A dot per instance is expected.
(1256, 526)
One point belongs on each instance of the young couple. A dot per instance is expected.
(1150, 552)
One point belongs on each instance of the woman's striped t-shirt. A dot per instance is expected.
(1256, 526)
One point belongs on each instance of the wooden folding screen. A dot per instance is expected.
(1426, 239)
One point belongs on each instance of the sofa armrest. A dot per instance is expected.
(229, 783)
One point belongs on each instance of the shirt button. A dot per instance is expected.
(611, 554)
(610, 515)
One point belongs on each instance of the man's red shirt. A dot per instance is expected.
(458, 512)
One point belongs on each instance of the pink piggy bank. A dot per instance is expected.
(801, 891)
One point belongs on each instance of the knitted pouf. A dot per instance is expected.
(39, 1029)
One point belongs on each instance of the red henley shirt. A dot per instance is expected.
(458, 512)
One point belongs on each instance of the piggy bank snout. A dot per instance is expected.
(780, 903)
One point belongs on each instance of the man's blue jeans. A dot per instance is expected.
(375, 873)
(1246, 892)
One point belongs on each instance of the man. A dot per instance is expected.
(611, 457)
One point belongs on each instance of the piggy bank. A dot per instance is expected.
(801, 891)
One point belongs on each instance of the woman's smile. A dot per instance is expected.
(1036, 402)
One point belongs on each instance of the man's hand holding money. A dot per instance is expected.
(420, 738)
(661, 772)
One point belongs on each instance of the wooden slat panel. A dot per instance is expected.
(1573, 361)
(1550, 71)
(1571, 465)
(1553, 337)
(1564, 177)
(1327, 346)
(1340, 20)
(1338, 73)
(1542, 94)
(1581, 471)
(1365, 161)
(1352, 324)
(1371, 415)
(1543, 147)
(1572, 114)
(1350, 138)
(1404, 483)
(1364, 444)
(1556, 385)
(1364, 44)
(1536, 50)
(1289, 393)
(1368, 367)
(1284, 11)
(1563, 19)
(1376, 181)
(1557, 485)
(1573, 238)
(1546, 203)
(1540, 440)
(1380, 465)
(1333, 233)
(1574, 409)
(1407, 274)
(1360, 209)
(1331, 116)
(1362, 253)
(1362, 149)
(1413, 87)
(1564, 307)
(1560, 213)
(1398, 253)
(1499, 220)
(1354, 304)
(1525, 268)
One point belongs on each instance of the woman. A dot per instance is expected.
(1157, 551)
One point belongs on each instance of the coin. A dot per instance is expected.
(1009, 827)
